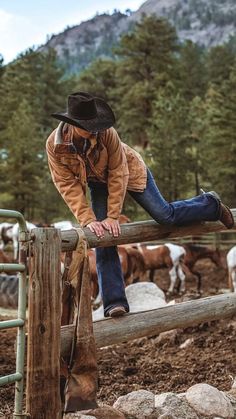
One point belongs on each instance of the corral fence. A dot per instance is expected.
(222, 240)
(48, 341)
(18, 376)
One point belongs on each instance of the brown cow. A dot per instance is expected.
(5, 234)
(168, 256)
(136, 269)
(156, 258)
(93, 274)
(193, 254)
(5, 258)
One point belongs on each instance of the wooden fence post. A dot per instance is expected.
(43, 360)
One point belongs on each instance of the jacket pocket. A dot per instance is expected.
(137, 169)
(73, 164)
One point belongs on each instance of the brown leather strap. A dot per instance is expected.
(81, 385)
(67, 293)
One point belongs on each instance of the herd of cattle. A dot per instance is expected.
(140, 261)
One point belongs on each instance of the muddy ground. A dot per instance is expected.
(157, 364)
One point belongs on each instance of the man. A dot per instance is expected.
(84, 150)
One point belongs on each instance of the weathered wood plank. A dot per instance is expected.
(150, 323)
(43, 367)
(140, 232)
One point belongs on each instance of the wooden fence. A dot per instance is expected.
(220, 240)
(47, 341)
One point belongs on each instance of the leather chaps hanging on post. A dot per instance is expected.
(81, 369)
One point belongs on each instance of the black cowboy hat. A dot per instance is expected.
(87, 112)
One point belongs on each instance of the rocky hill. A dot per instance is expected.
(206, 22)
(79, 45)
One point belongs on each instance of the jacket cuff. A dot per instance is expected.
(86, 222)
(113, 214)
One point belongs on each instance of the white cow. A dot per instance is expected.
(231, 264)
(63, 225)
(176, 253)
(15, 236)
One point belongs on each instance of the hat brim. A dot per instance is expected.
(105, 118)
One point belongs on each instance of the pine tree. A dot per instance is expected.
(99, 79)
(168, 133)
(53, 90)
(36, 78)
(192, 71)
(146, 61)
(32, 88)
(221, 110)
(24, 164)
(219, 63)
(197, 147)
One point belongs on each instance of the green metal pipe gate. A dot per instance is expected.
(18, 376)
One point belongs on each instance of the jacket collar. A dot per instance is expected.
(58, 135)
(60, 146)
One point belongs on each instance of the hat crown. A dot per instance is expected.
(86, 111)
(81, 107)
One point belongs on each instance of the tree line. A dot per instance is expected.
(174, 102)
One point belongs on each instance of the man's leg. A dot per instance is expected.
(111, 281)
(204, 207)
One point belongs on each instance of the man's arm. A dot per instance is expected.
(70, 188)
(118, 174)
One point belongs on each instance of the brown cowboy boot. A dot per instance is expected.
(226, 216)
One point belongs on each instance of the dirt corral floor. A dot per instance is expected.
(157, 364)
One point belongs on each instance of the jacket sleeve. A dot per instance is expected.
(69, 187)
(118, 173)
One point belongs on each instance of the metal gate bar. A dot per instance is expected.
(18, 376)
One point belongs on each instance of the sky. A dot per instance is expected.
(27, 23)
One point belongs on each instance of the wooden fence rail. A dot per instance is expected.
(140, 232)
(150, 323)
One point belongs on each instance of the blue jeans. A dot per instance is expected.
(200, 208)
(110, 277)
(111, 282)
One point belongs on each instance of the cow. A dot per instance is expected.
(6, 259)
(168, 256)
(231, 265)
(133, 265)
(15, 236)
(195, 252)
(62, 225)
(5, 234)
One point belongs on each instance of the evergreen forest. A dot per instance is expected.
(174, 102)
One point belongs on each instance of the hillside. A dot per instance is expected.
(206, 22)
(81, 44)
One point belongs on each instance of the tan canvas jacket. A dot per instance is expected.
(109, 161)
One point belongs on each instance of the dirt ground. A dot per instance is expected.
(158, 363)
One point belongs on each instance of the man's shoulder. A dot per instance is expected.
(109, 135)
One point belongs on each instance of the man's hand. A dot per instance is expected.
(112, 226)
(97, 228)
